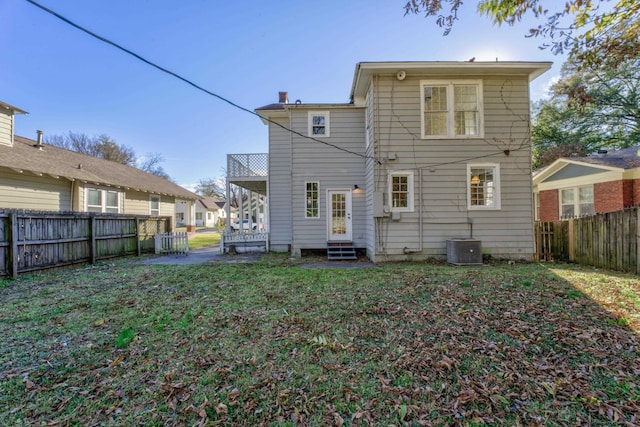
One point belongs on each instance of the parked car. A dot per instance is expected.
(245, 225)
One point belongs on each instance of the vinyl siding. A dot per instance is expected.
(28, 191)
(6, 127)
(280, 186)
(334, 170)
(505, 232)
(138, 203)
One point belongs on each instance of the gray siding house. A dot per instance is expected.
(37, 176)
(423, 153)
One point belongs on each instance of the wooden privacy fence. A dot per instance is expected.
(609, 240)
(32, 241)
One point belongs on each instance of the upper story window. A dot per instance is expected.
(319, 123)
(154, 205)
(576, 201)
(483, 186)
(312, 200)
(401, 191)
(104, 201)
(451, 109)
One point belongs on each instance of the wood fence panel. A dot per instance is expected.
(605, 240)
(31, 240)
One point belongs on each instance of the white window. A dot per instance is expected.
(312, 200)
(199, 216)
(483, 183)
(319, 123)
(451, 109)
(401, 191)
(154, 205)
(576, 201)
(209, 216)
(104, 201)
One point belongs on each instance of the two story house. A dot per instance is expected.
(423, 153)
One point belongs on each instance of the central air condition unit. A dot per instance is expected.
(464, 252)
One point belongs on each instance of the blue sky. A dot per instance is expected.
(244, 51)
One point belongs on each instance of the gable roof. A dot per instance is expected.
(212, 203)
(26, 155)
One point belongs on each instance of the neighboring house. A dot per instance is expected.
(579, 186)
(34, 175)
(424, 152)
(210, 212)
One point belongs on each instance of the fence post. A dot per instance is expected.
(92, 232)
(571, 241)
(637, 241)
(13, 251)
(138, 249)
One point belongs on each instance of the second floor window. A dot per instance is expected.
(319, 123)
(451, 109)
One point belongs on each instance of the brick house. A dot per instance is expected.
(579, 186)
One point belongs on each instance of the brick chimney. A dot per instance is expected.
(283, 97)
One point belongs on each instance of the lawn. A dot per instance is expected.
(204, 239)
(274, 344)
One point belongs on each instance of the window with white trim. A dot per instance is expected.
(154, 205)
(483, 183)
(312, 199)
(319, 123)
(401, 191)
(451, 109)
(104, 201)
(577, 201)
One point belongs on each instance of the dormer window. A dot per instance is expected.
(318, 123)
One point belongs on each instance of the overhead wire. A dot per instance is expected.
(191, 83)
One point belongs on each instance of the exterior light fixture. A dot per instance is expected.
(355, 187)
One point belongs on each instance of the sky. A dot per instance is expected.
(245, 52)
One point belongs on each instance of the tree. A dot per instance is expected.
(104, 147)
(212, 187)
(588, 110)
(594, 32)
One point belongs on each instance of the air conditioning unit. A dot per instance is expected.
(464, 252)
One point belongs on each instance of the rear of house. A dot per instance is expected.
(425, 152)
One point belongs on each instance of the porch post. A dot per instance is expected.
(227, 207)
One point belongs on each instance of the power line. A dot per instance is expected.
(191, 83)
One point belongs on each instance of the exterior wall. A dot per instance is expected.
(138, 203)
(440, 170)
(608, 196)
(370, 187)
(6, 127)
(280, 186)
(549, 206)
(635, 200)
(628, 198)
(333, 169)
(28, 191)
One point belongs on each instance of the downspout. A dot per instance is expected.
(407, 250)
(291, 183)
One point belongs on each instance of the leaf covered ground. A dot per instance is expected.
(274, 344)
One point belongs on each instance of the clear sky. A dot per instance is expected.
(245, 51)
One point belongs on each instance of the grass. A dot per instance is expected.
(204, 239)
(274, 344)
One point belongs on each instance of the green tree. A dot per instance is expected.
(588, 110)
(596, 33)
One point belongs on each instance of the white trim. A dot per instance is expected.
(410, 190)
(151, 197)
(576, 200)
(349, 213)
(305, 200)
(327, 124)
(450, 112)
(103, 200)
(497, 190)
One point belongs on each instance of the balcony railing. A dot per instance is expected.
(247, 165)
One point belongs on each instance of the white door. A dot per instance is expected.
(339, 215)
